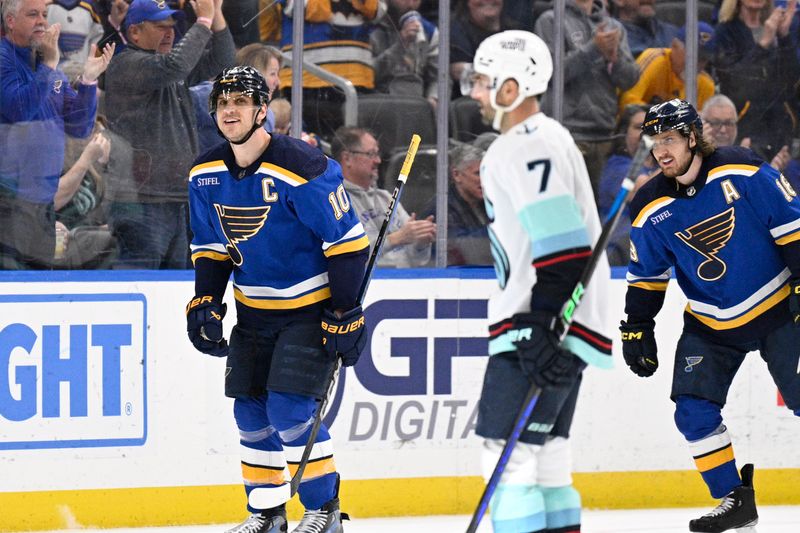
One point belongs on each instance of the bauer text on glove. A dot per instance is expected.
(204, 324)
(344, 335)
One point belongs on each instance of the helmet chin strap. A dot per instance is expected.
(250, 133)
(256, 125)
(499, 110)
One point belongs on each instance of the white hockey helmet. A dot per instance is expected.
(514, 54)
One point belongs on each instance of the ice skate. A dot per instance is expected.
(269, 521)
(736, 511)
(325, 520)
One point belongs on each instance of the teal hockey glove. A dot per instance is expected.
(204, 316)
(639, 347)
(541, 357)
(344, 336)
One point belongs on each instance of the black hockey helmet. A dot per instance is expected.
(245, 80)
(673, 115)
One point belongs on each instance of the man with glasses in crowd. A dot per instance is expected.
(720, 123)
(408, 240)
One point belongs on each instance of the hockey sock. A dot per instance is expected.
(563, 509)
(517, 509)
(700, 421)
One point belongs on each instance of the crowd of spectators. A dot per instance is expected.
(104, 106)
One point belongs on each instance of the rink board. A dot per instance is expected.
(109, 418)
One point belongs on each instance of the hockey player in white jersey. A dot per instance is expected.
(543, 225)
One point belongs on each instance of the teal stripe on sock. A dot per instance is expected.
(516, 508)
(563, 506)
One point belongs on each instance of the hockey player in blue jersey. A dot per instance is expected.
(273, 211)
(728, 226)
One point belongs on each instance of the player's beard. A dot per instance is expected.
(676, 171)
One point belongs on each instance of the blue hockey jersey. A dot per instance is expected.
(278, 222)
(731, 237)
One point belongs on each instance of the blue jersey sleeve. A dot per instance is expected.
(323, 205)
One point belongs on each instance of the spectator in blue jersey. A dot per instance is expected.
(645, 29)
(80, 28)
(629, 130)
(148, 104)
(406, 50)
(336, 38)
(38, 106)
(727, 225)
(272, 211)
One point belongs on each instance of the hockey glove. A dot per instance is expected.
(639, 347)
(794, 301)
(541, 357)
(204, 323)
(344, 336)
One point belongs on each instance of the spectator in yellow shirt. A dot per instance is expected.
(662, 71)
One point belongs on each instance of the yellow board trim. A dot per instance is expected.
(361, 243)
(107, 508)
(708, 462)
(745, 318)
(290, 303)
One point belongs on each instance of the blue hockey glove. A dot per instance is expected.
(541, 357)
(794, 301)
(639, 347)
(345, 335)
(204, 324)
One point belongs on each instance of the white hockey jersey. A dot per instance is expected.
(542, 210)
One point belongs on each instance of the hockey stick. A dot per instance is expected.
(362, 291)
(564, 319)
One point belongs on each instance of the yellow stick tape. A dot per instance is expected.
(161, 506)
(410, 155)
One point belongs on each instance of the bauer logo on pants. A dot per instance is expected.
(73, 370)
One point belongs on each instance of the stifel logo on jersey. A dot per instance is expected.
(73, 370)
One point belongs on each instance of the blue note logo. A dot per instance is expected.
(73, 370)
(691, 361)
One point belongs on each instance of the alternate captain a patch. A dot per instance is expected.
(239, 224)
(708, 238)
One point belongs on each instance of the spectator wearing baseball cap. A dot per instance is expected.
(662, 71)
(148, 104)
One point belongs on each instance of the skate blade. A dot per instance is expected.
(746, 529)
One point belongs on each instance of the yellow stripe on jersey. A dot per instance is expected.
(724, 170)
(714, 459)
(90, 8)
(349, 246)
(761, 308)
(315, 469)
(215, 256)
(262, 475)
(206, 167)
(649, 208)
(291, 303)
(650, 285)
(786, 239)
(286, 175)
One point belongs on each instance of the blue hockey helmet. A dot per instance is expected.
(675, 114)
